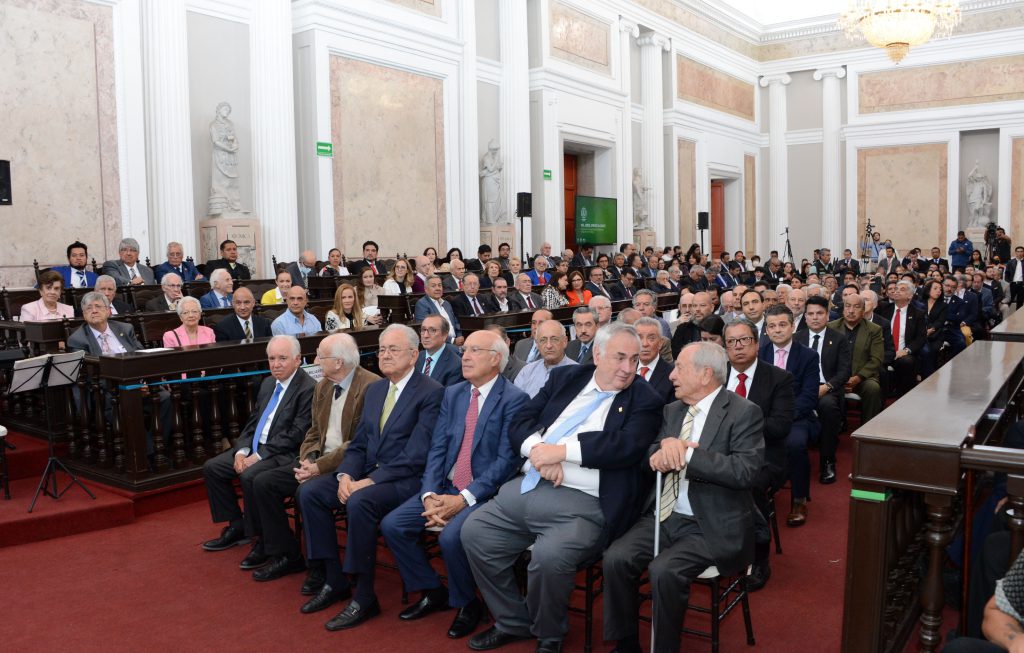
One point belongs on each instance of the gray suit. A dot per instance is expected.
(517, 303)
(522, 349)
(119, 271)
(83, 340)
(573, 351)
(514, 367)
(720, 533)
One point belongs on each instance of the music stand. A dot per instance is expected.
(43, 372)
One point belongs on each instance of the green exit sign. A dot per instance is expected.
(547, 175)
(324, 149)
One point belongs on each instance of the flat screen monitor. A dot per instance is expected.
(596, 220)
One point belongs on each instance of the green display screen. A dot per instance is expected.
(596, 220)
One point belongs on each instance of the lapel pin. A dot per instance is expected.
(620, 409)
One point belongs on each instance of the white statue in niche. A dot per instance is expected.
(979, 197)
(640, 213)
(224, 193)
(491, 185)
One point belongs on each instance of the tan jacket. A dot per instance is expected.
(350, 414)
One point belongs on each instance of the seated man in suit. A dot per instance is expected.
(98, 335)
(847, 263)
(527, 349)
(127, 270)
(244, 325)
(584, 258)
(650, 367)
(796, 301)
(106, 286)
(584, 436)
(802, 363)
(336, 408)
(168, 299)
(469, 302)
(302, 268)
(701, 307)
(603, 306)
(709, 449)
(500, 301)
(551, 341)
(270, 439)
(524, 299)
(581, 350)
(646, 301)
(296, 321)
(596, 283)
(624, 289)
(74, 273)
(834, 360)
(514, 366)
(228, 261)
(906, 323)
(381, 469)
(889, 351)
(369, 260)
(453, 282)
(177, 264)
(752, 305)
(221, 285)
(866, 351)
(538, 275)
(434, 303)
(470, 457)
(439, 360)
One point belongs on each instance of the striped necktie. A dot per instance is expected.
(670, 486)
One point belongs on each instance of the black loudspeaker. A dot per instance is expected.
(524, 205)
(5, 183)
(702, 220)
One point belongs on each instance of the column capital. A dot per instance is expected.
(768, 80)
(652, 39)
(626, 25)
(838, 72)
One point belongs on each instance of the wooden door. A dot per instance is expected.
(717, 219)
(569, 180)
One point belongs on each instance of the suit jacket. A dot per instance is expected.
(596, 289)
(291, 419)
(83, 340)
(914, 337)
(516, 299)
(122, 307)
(157, 304)
(683, 335)
(425, 306)
(772, 390)
(725, 280)
(522, 349)
(580, 261)
(119, 271)
(240, 271)
(936, 319)
(462, 307)
(448, 370)
(842, 266)
(619, 292)
(397, 451)
(890, 264)
(888, 349)
(660, 382)
(312, 447)
(537, 279)
(492, 460)
(802, 363)
(836, 356)
(297, 280)
(514, 367)
(357, 266)
(449, 283)
(211, 300)
(868, 350)
(572, 350)
(986, 303)
(721, 471)
(942, 263)
(188, 271)
(617, 451)
(1008, 273)
(90, 277)
(230, 330)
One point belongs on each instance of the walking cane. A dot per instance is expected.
(657, 538)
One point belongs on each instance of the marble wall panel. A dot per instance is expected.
(712, 88)
(1017, 190)
(387, 126)
(750, 204)
(59, 130)
(680, 14)
(943, 85)
(902, 190)
(429, 7)
(687, 154)
(579, 38)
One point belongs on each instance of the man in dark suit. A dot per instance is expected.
(470, 457)
(847, 264)
(302, 268)
(469, 302)
(270, 439)
(524, 299)
(956, 316)
(369, 260)
(168, 299)
(802, 363)
(866, 351)
(99, 335)
(888, 350)
(1013, 274)
(229, 261)
(177, 264)
(74, 273)
(580, 490)
(650, 367)
(709, 449)
(834, 359)
(937, 259)
(688, 332)
(221, 285)
(906, 324)
(337, 406)
(581, 349)
(526, 349)
(380, 470)
(434, 303)
(889, 262)
(624, 289)
(514, 365)
(439, 360)
(126, 270)
(584, 258)
(243, 325)
(106, 286)
(695, 281)
(596, 284)
(454, 281)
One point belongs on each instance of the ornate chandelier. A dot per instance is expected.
(898, 24)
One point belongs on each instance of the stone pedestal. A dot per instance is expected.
(977, 237)
(239, 227)
(643, 238)
(495, 234)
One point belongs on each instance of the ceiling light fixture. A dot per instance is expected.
(896, 25)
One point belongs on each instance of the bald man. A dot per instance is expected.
(302, 268)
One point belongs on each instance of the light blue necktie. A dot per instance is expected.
(555, 436)
(225, 303)
(267, 412)
(534, 353)
(81, 279)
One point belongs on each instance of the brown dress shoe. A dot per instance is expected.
(797, 514)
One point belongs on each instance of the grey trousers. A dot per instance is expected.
(563, 525)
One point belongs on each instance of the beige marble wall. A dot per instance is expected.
(58, 127)
(678, 13)
(902, 190)
(387, 126)
(967, 82)
(1017, 190)
(429, 7)
(687, 154)
(714, 89)
(579, 38)
(750, 203)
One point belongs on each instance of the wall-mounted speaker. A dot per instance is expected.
(524, 205)
(5, 183)
(702, 220)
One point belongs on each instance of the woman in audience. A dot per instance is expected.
(563, 266)
(368, 282)
(977, 260)
(553, 295)
(712, 329)
(515, 266)
(935, 325)
(334, 268)
(577, 292)
(435, 264)
(48, 306)
(190, 332)
(492, 272)
(346, 313)
(453, 254)
(603, 262)
(400, 278)
(276, 295)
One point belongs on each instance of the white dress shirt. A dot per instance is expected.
(734, 377)
(650, 368)
(902, 344)
(820, 348)
(703, 406)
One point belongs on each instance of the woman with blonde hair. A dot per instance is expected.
(400, 278)
(347, 312)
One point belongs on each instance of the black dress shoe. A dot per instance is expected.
(492, 638)
(549, 646)
(314, 581)
(353, 615)
(278, 567)
(255, 559)
(433, 601)
(325, 598)
(828, 472)
(467, 618)
(760, 572)
(229, 537)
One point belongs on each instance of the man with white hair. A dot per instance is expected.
(603, 306)
(795, 302)
(168, 299)
(907, 329)
(870, 304)
(550, 340)
(126, 269)
(221, 285)
(302, 268)
(177, 264)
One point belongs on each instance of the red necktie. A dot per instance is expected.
(741, 387)
(373, 267)
(896, 329)
(426, 368)
(463, 474)
(476, 307)
(529, 302)
(460, 284)
(644, 370)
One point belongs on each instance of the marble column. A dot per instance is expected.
(652, 132)
(168, 129)
(831, 182)
(778, 159)
(627, 30)
(514, 105)
(275, 201)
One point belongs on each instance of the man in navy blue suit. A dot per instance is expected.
(380, 470)
(177, 264)
(802, 362)
(438, 360)
(470, 457)
(957, 316)
(434, 303)
(74, 273)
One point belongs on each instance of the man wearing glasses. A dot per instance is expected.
(551, 341)
(435, 304)
(177, 264)
(168, 299)
(439, 360)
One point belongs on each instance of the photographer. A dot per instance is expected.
(998, 242)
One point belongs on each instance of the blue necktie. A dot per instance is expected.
(555, 436)
(81, 279)
(265, 416)
(225, 303)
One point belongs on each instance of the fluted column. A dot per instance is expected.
(514, 111)
(168, 130)
(652, 132)
(831, 186)
(627, 29)
(778, 159)
(274, 192)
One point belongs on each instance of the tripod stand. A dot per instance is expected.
(787, 249)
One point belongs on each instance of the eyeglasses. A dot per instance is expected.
(172, 285)
(552, 339)
(477, 350)
(739, 342)
(430, 330)
(393, 350)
